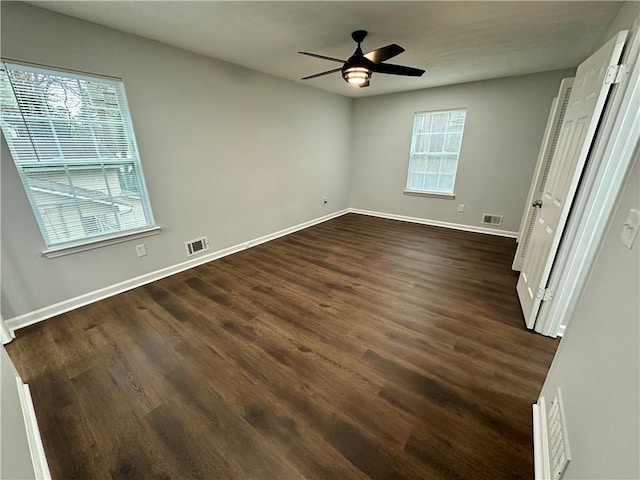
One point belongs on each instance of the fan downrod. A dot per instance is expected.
(358, 36)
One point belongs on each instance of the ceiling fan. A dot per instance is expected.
(358, 68)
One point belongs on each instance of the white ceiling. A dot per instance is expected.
(453, 41)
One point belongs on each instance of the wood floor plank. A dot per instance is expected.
(357, 348)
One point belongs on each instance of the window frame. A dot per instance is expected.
(66, 164)
(412, 154)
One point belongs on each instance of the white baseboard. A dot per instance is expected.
(541, 459)
(6, 335)
(38, 459)
(438, 223)
(44, 313)
(561, 330)
(59, 308)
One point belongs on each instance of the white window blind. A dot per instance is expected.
(435, 148)
(73, 144)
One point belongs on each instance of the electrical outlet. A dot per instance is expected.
(461, 208)
(141, 250)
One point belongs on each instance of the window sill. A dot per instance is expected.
(69, 249)
(418, 193)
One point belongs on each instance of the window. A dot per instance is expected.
(435, 148)
(72, 141)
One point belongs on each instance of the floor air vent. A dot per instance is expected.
(491, 219)
(196, 246)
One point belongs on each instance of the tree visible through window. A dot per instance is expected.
(72, 141)
(435, 148)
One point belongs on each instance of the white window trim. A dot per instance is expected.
(97, 242)
(424, 193)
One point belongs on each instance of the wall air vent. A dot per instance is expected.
(491, 219)
(196, 246)
(558, 441)
(550, 441)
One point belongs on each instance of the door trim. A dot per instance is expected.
(612, 156)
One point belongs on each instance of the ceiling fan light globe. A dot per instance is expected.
(356, 75)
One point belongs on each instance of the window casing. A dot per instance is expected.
(72, 141)
(435, 149)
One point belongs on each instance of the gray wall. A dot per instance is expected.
(629, 11)
(597, 365)
(502, 135)
(227, 152)
(15, 456)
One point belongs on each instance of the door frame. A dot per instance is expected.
(616, 147)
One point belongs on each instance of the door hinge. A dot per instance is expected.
(617, 73)
(544, 294)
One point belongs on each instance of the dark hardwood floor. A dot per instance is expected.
(358, 348)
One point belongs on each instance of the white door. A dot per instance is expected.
(541, 173)
(586, 104)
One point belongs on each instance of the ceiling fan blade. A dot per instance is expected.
(323, 57)
(397, 70)
(321, 74)
(384, 53)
